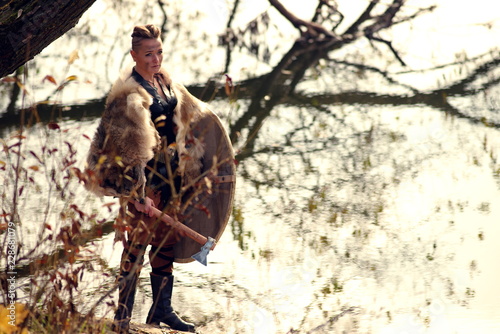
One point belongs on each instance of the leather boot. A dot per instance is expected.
(126, 296)
(161, 310)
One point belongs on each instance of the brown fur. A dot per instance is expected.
(124, 142)
(127, 132)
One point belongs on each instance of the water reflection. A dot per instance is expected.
(356, 211)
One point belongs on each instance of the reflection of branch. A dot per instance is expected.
(366, 15)
(333, 319)
(461, 86)
(164, 29)
(385, 20)
(229, 35)
(312, 28)
(332, 9)
(439, 67)
(389, 44)
(281, 82)
(437, 99)
(380, 22)
(261, 90)
(311, 53)
(385, 74)
(414, 15)
(233, 14)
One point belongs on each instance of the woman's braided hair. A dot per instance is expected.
(140, 33)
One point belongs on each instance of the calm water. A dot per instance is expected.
(348, 217)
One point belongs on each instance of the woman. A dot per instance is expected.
(148, 120)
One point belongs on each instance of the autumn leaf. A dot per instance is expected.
(50, 78)
(102, 159)
(229, 87)
(9, 326)
(53, 126)
(73, 56)
(66, 82)
(9, 79)
(203, 209)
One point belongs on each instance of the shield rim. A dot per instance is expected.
(232, 188)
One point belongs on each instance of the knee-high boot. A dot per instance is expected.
(126, 296)
(161, 310)
(127, 283)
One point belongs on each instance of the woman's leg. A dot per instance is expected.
(161, 258)
(138, 238)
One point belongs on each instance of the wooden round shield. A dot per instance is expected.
(209, 211)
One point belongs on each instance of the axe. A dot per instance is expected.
(208, 243)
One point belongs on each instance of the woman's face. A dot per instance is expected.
(148, 56)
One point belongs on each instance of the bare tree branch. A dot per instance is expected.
(381, 22)
(386, 19)
(332, 9)
(366, 15)
(233, 13)
(312, 29)
(389, 44)
(387, 76)
(164, 29)
(414, 15)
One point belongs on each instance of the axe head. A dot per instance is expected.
(201, 256)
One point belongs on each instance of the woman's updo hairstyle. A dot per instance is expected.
(140, 33)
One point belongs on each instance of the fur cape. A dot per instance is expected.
(126, 139)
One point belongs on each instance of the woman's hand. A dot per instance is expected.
(147, 207)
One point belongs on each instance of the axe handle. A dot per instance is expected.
(176, 224)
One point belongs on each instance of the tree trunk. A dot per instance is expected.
(28, 26)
